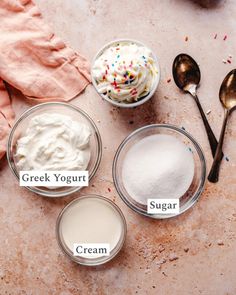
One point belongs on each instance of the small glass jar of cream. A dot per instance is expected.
(91, 220)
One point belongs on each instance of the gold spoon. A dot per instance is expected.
(227, 96)
(187, 77)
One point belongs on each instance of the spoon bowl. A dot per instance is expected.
(186, 72)
(227, 92)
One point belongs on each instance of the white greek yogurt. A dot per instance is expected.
(125, 72)
(54, 142)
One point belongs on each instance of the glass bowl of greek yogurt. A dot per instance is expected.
(159, 162)
(125, 73)
(54, 136)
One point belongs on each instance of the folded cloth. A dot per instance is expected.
(6, 117)
(35, 61)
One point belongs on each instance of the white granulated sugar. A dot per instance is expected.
(158, 166)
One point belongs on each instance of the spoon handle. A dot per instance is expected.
(211, 136)
(214, 173)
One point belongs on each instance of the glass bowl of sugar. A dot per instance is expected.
(159, 162)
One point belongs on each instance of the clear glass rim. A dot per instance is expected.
(99, 260)
(202, 179)
(24, 115)
(120, 104)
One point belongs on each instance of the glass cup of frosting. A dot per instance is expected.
(125, 73)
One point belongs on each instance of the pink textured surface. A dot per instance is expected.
(30, 260)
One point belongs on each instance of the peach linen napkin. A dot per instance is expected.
(35, 61)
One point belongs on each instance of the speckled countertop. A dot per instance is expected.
(192, 254)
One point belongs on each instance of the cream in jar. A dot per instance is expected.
(91, 220)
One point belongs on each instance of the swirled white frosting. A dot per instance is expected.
(54, 142)
(125, 72)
